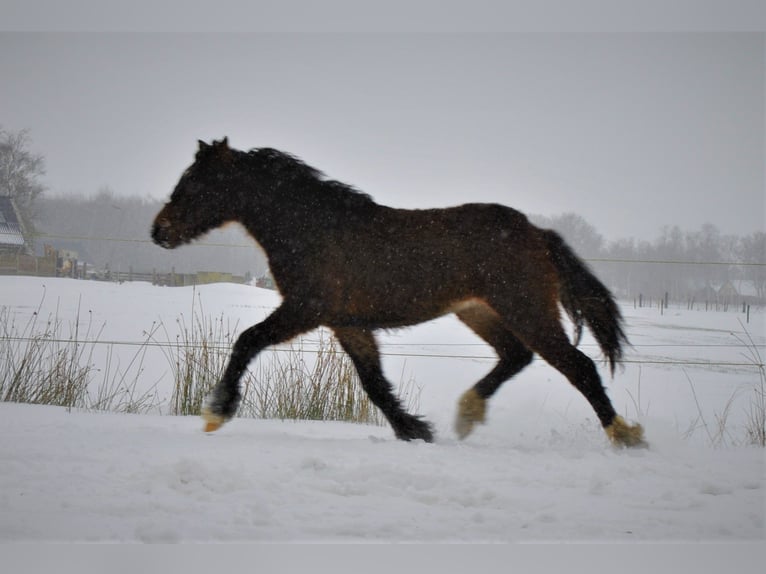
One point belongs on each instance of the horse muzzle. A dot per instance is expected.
(164, 235)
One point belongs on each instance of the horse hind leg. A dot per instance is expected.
(513, 357)
(360, 345)
(553, 345)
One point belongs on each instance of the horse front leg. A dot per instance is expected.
(222, 403)
(360, 345)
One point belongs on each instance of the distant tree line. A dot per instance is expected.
(111, 231)
(702, 265)
(107, 230)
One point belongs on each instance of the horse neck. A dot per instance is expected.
(289, 218)
(277, 217)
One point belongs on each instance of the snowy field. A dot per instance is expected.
(540, 470)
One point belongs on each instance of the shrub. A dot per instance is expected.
(48, 364)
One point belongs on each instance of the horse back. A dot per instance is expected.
(391, 267)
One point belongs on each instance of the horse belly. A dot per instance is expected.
(387, 298)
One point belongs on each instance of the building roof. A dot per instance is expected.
(11, 233)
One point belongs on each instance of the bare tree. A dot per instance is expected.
(20, 170)
(576, 230)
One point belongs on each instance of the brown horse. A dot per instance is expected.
(343, 261)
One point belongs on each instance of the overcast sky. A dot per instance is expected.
(631, 131)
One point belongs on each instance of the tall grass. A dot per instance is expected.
(50, 362)
(37, 365)
(286, 383)
(327, 388)
(197, 357)
(44, 361)
(756, 415)
(719, 433)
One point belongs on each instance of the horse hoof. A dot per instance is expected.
(212, 426)
(625, 435)
(472, 409)
(212, 421)
(414, 428)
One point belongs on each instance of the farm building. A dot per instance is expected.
(12, 239)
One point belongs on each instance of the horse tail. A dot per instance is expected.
(586, 300)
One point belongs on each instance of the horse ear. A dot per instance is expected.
(202, 145)
(225, 141)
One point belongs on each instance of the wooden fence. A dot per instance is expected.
(173, 279)
(52, 266)
(21, 264)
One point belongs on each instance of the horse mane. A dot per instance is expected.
(287, 167)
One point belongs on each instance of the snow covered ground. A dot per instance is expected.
(540, 470)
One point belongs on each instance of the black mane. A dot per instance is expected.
(288, 167)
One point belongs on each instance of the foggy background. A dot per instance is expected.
(631, 131)
(641, 144)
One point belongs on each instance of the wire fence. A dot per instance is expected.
(390, 352)
(313, 346)
(39, 235)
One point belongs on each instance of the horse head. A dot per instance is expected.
(198, 203)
